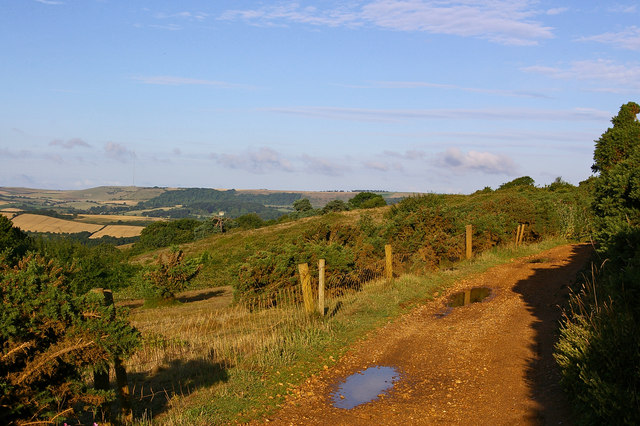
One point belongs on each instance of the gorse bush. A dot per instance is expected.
(50, 338)
(425, 232)
(599, 348)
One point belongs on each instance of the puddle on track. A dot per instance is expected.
(468, 297)
(364, 386)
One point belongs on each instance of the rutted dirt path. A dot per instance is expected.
(487, 363)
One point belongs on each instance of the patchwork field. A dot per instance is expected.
(38, 223)
(118, 231)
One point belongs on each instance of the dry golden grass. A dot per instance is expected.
(8, 215)
(118, 231)
(111, 218)
(39, 223)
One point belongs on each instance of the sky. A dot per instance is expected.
(398, 95)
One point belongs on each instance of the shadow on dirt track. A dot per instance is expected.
(545, 294)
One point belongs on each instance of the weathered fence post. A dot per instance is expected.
(469, 241)
(305, 282)
(101, 379)
(388, 266)
(519, 234)
(321, 264)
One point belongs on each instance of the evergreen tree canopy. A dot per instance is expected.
(619, 141)
(617, 189)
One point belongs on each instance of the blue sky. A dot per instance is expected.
(413, 95)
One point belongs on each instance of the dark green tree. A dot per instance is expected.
(249, 221)
(619, 141)
(598, 350)
(521, 181)
(13, 242)
(617, 189)
(366, 200)
(335, 206)
(302, 205)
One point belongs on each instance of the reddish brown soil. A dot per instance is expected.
(487, 363)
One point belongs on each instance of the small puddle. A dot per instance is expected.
(468, 297)
(364, 386)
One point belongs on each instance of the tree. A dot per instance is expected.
(13, 242)
(249, 221)
(619, 141)
(617, 189)
(366, 200)
(521, 181)
(335, 206)
(302, 205)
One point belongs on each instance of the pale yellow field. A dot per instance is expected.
(8, 215)
(39, 223)
(119, 231)
(104, 218)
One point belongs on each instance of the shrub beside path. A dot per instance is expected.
(486, 363)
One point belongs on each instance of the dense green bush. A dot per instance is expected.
(49, 338)
(171, 273)
(426, 232)
(366, 200)
(13, 242)
(599, 348)
(165, 234)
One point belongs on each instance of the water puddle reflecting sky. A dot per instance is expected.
(364, 386)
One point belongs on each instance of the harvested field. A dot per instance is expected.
(6, 214)
(39, 223)
(109, 219)
(119, 231)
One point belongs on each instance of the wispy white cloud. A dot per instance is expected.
(407, 155)
(427, 85)
(263, 160)
(168, 27)
(21, 154)
(69, 144)
(50, 2)
(399, 115)
(623, 8)
(485, 162)
(118, 152)
(280, 14)
(610, 76)
(166, 80)
(508, 22)
(324, 166)
(629, 38)
(190, 16)
(557, 10)
(383, 166)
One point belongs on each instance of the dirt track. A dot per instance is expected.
(487, 363)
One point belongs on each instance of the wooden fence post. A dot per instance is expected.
(519, 235)
(469, 241)
(321, 265)
(305, 282)
(388, 267)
